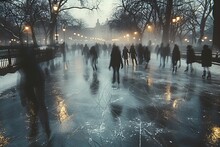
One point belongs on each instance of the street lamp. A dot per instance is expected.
(64, 35)
(55, 10)
(175, 22)
(26, 28)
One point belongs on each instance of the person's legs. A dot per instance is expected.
(32, 111)
(209, 73)
(187, 67)
(118, 75)
(191, 67)
(132, 59)
(43, 114)
(114, 72)
(135, 61)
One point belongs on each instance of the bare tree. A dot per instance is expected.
(56, 7)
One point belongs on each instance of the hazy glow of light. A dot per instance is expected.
(62, 109)
(214, 137)
(175, 104)
(149, 81)
(106, 8)
(168, 93)
(3, 140)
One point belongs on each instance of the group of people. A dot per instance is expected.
(206, 59)
(32, 83)
(143, 53)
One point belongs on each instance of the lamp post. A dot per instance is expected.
(175, 22)
(150, 30)
(55, 10)
(64, 35)
(26, 28)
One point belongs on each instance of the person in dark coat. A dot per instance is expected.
(162, 53)
(147, 55)
(133, 55)
(32, 92)
(94, 57)
(85, 53)
(125, 55)
(116, 63)
(176, 57)
(140, 53)
(206, 59)
(190, 58)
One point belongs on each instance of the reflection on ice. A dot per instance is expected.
(3, 140)
(168, 93)
(61, 109)
(214, 137)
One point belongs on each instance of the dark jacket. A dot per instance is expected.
(190, 55)
(116, 59)
(176, 53)
(206, 56)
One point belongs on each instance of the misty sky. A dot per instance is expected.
(90, 18)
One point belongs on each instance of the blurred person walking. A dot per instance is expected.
(94, 58)
(176, 57)
(85, 53)
(147, 56)
(125, 55)
(32, 92)
(116, 63)
(190, 58)
(206, 58)
(133, 54)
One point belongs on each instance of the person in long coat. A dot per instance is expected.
(116, 63)
(125, 55)
(206, 59)
(176, 57)
(32, 92)
(85, 53)
(94, 57)
(133, 55)
(147, 56)
(190, 58)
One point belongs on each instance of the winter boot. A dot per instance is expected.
(209, 75)
(204, 74)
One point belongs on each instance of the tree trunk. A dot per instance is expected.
(166, 27)
(33, 35)
(52, 28)
(216, 28)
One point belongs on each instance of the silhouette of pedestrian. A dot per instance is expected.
(206, 58)
(167, 52)
(85, 53)
(147, 55)
(176, 57)
(63, 50)
(115, 63)
(32, 92)
(162, 53)
(190, 58)
(94, 57)
(133, 54)
(140, 53)
(125, 55)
